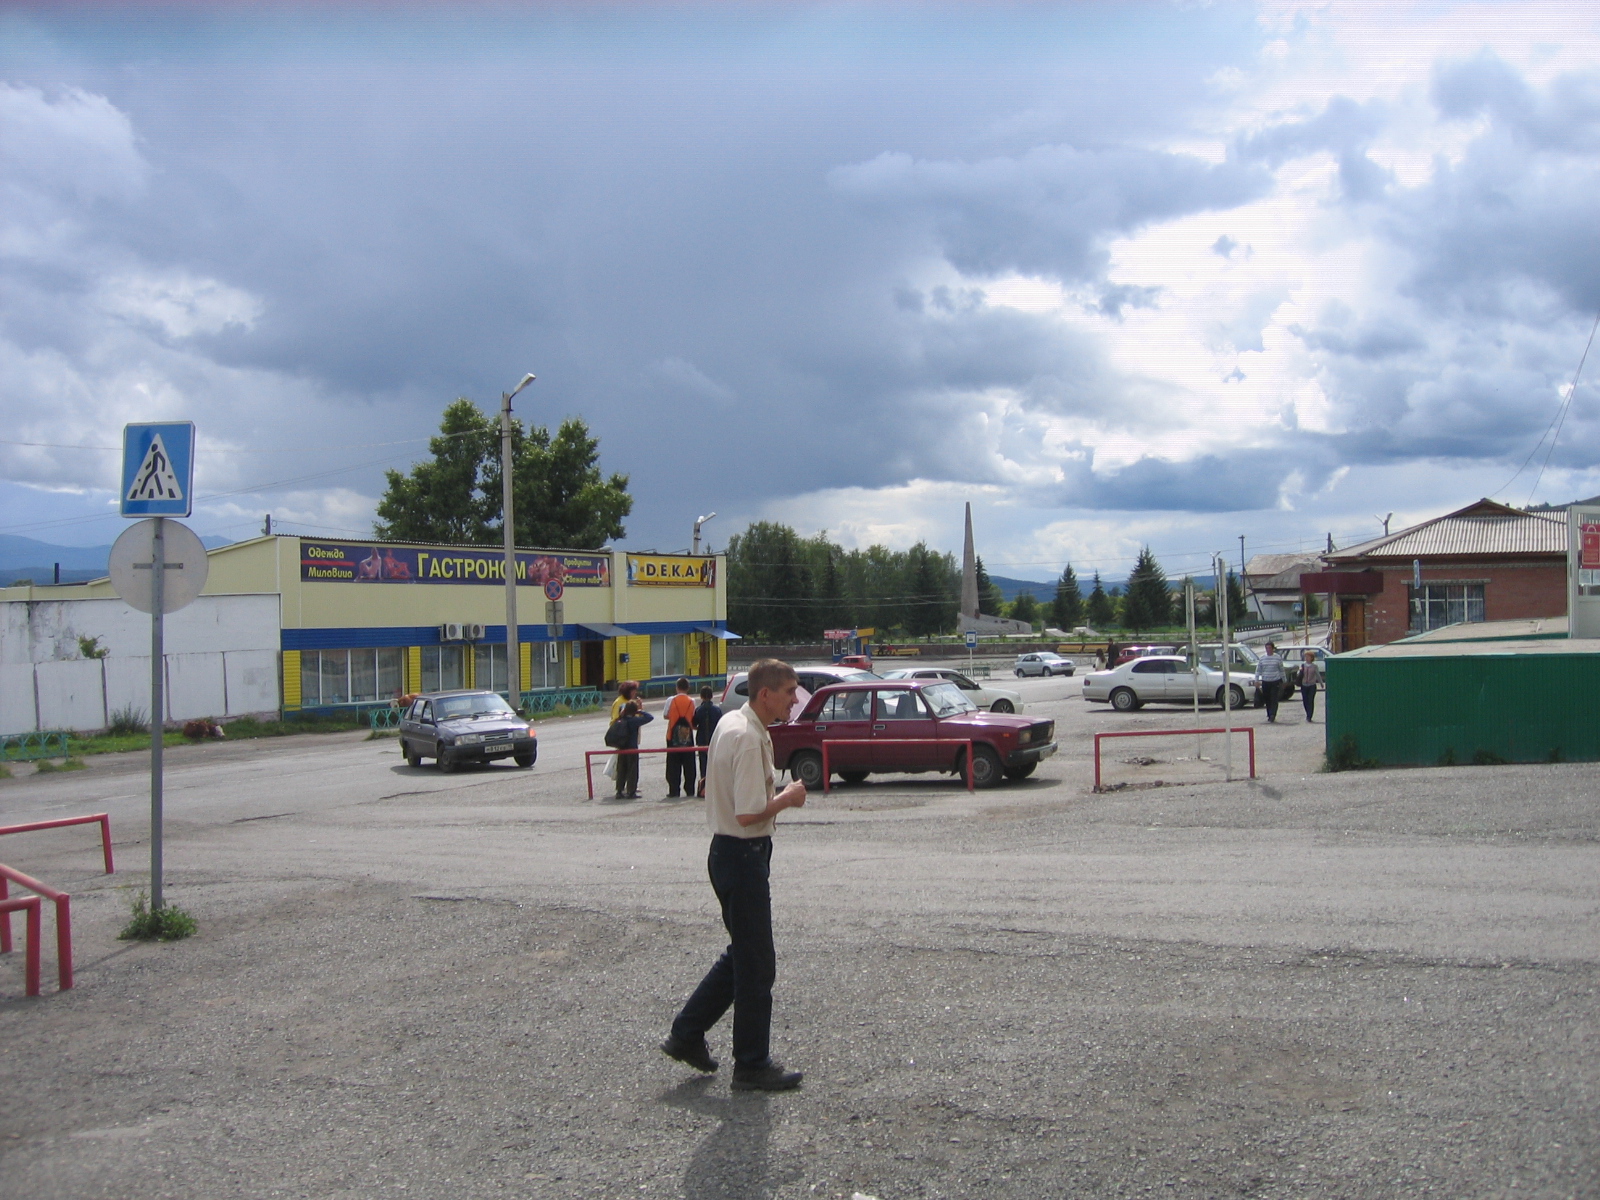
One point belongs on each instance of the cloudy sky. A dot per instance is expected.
(1115, 273)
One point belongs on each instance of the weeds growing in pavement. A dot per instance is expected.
(47, 766)
(1346, 756)
(165, 924)
(127, 720)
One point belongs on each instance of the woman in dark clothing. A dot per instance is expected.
(628, 764)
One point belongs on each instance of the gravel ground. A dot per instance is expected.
(1379, 984)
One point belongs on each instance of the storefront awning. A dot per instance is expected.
(606, 631)
(726, 635)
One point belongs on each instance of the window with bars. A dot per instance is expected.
(1435, 605)
(350, 676)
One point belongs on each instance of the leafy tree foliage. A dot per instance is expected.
(1149, 602)
(1101, 612)
(785, 588)
(1025, 608)
(1066, 610)
(562, 500)
(1237, 609)
(990, 599)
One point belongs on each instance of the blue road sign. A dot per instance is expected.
(972, 638)
(158, 469)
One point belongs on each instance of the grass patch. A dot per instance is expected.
(49, 767)
(1488, 758)
(5, 771)
(129, 719)
(1346, 756)
(244, 727)
(165, 924)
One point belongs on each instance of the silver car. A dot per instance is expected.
(1162, 679)
(1000, 700)
(1043, 662)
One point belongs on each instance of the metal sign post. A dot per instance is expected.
(1218, 562)
(972, 641)
(157, 482)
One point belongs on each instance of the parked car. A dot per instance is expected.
(1043, 662)
(1000, 700)
(875, 719)
(1161, 678)
(736, 694)
(1129, 653)
(462, 726)
(857, 662)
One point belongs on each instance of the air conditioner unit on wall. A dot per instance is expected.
(474, 633)
(449, 633)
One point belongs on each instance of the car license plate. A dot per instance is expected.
(496, 747)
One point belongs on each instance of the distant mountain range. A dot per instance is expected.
(25, 558)
(1045, 593)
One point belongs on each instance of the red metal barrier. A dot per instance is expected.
(31, 905)
(1248, 730)
(63, 903)
(826, 742)
(590, 755)
(104, 820)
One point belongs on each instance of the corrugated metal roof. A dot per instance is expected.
(1483, 528)
(1280, 571)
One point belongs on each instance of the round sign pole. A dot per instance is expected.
(158, 702)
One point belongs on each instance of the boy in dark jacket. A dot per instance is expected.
(706, 716)
(628, 764)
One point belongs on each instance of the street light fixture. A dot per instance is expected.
(513, 652)
(699, 521)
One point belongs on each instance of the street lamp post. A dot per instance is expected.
(699, 521)
(513, 652)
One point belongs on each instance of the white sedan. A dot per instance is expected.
(1000, 700)
(1161, 678)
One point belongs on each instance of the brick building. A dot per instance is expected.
(1485, 562)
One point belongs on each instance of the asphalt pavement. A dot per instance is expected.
(406, 983)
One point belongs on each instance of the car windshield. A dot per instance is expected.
(946, 700)
(856, 677)
(485, 704)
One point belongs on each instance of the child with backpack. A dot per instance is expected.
(624, 735)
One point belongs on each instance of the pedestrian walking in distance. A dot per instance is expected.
(1270, 671)
(742, 803)
(680, 733)
(1310, 678)
(706, 716)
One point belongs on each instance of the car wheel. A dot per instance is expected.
(986, 770)
(1018, 672)
(445, 763)
(413, 759)
(1124, 700)
(1002, 706)
(853, 776)
(1237, 696)
(524, 760)
(806, 766)
(1021, 772)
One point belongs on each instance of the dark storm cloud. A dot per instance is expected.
(1247, 479)
(1344, 128)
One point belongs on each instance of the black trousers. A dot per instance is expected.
(740, 870)
(627, 773)
(1308, 697)
(680, 768)
(1270, 690)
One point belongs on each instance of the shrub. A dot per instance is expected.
(128, 719)
(1346, 756)
(90, 647)
(1448, 758)
(1488, 758)
(46, 766)
(165, 924)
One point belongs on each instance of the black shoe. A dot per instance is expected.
(672, 795)
(770, 1078)
(691, 1054)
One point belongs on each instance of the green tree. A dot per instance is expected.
(1237, 610)
(1149, 602)
(1101, 611)
(562, 499)
(990, 598)
(770, 584)
(1066, 610)
(1025, 608)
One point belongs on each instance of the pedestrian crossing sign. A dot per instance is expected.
(158, 469)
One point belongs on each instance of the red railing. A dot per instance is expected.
(590, 755)
(826, 742)
(29, 904)
(1248, 730)
(103, 819)
(63, 903)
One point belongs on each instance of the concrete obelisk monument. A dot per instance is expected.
(969, 572)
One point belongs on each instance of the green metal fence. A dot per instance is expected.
(545, 700)
(385, 718)
(26, 747)
(652, 689)
(1462, 708)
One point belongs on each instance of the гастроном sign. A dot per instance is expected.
(671, 570)
(335, 562)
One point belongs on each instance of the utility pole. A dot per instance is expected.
(513, 651)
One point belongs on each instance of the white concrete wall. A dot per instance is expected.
(221, 660)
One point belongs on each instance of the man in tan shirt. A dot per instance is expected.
(742, 802)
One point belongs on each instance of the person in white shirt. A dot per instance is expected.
(742, 803)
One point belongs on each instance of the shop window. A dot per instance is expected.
(666, 654)
(349, 676)
(549, 665)
(489, 666)
(391, 672)
(1435, 605)
(443, 668)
